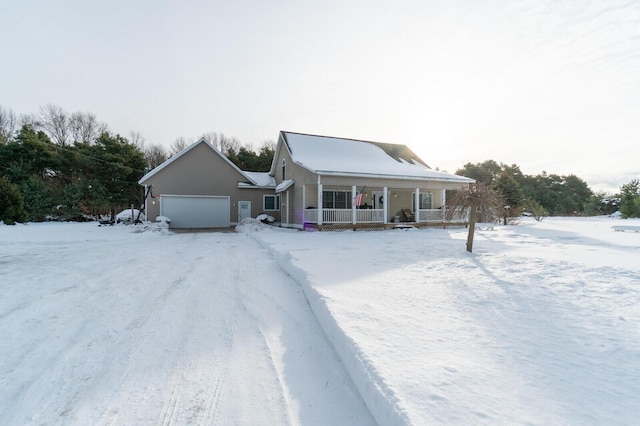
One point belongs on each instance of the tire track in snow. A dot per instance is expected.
(197, 391)
(152, 306)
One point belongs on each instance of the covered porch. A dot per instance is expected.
(333, 206)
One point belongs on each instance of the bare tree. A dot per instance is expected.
(480, 202)
(212, 138)
(268, 145)
(85, 128)
(226, 145)
(179, 144)
(55, 122)
(8, 125)
(30, 120)
(137, 140)
(230, 146)
(155, 155)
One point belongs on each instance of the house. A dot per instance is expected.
(326, 182)
(314, 182)
(201, 188)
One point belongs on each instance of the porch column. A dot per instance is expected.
(287, 207)
(353, 205)
(443, 204)
(417, 212)
(146, 196)
(385, 205)
(304, 203)
(319, 202)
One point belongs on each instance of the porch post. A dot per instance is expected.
(304, 203)
(417, 212)
(287, 207)
(353, 205)
(319, 202)
(146, 210)
(443, 205)
(385, 205)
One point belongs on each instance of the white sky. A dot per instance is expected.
(547, 85)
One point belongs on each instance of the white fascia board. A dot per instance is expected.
(461, 179)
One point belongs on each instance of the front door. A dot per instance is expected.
(244, 210)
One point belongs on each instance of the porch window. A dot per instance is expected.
(426, 202)
(336, 199)
(270, 202)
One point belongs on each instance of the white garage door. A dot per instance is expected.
(191, 211)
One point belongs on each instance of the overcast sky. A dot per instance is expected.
(546, 85)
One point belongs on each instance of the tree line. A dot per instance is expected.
(56, 165)
(547, 194)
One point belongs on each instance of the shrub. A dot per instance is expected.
(537, 211)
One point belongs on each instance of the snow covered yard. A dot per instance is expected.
(540, 325)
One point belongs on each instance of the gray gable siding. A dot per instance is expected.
(203, 171)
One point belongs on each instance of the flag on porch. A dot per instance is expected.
(358, 200)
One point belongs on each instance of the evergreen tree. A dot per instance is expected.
(506, 185)
(630, 199)
(38, 199)
(117, 165)
(11, 202)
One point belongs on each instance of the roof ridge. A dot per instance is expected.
(342, 138)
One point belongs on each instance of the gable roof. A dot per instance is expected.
(253, 178)
(325, 155)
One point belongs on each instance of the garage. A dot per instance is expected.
(194, 211)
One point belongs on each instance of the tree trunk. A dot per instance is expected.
(472, 229)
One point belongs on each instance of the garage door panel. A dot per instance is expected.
(196, 211)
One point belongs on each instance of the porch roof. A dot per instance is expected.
(325, 155)
(284, 185)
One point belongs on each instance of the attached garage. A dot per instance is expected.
(196, 211)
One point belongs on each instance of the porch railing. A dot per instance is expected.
(376, 216)
(430, 215)
(370, 216)
(336, 216)
(345, 216)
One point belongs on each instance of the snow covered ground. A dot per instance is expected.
(540, 325)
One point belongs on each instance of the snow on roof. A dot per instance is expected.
(284, 185)
(329, 155)
(261, 178)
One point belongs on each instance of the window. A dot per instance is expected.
(271, 202)
(336, 199)
(284, 169)
(425, 200)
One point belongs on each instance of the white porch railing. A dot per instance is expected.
(376, 216)
(345, 216)
(370, 216)
(336, 216)
(430, 215)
